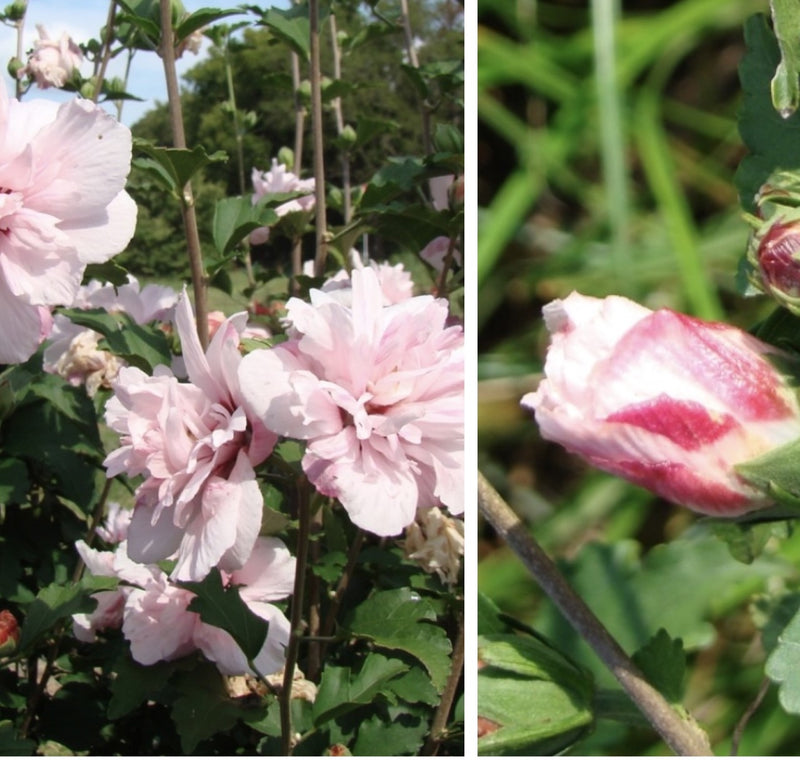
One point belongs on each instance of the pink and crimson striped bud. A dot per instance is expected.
(666, 401)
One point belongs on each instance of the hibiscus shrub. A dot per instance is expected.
(226, 534)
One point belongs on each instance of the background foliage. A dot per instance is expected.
(608, 155)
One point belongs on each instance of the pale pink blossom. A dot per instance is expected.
(114, 528)
(377, 393)
(279, 180)
(216, 318)
(196, 446)
(155, 618)
(435, 252)
(52, 61)
(664, 400)
(394, 280)
(73, 351)
(62, 206)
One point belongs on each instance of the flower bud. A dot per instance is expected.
(666, 401)
(9, 633)
(773, 252)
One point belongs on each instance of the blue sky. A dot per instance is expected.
(83, 20)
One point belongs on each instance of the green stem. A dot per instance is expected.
(298, 597)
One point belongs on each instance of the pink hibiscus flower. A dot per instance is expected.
(155, 618)
(377, 393)
(62, 206)
(196, 446)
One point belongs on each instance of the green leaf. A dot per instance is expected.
(171, 167)
(781, 329)
(55, 602)
(341, 691)
(225, 609)
(396, 620)
(14, 481)
(775, 472)
(235, 219)
(532, 658)
(106, 271)
(10, 745)
(291, 25)
(529, 716)
(134, 684)
(785, 85)
(398, 735)
(783, 666)
(414, 687)
(139, 345)
(201, 18)
(663, 663)
(204, 708)
(635, 597)
(489, 617)
(771, 139)
(747, 540)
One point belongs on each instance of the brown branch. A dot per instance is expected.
(199, 281)
(683, 736)
(321, 218)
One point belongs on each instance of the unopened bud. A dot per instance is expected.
(286, 156)
(9, 633)
(774, 248)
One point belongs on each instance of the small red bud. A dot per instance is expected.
(9, 632)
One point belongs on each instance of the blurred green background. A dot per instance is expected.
(607, 149)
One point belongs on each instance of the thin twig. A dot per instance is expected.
(344, 580)
(751, 709)
(101, 73)
(304, 520)
(336, 105)
(167, 51)
(439, 724)
(684, 737)
(320, 215)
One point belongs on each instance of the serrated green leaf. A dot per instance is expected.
(341, 690)
(227, 610)
(396, 620)
(414, 687)
(397, 735)
(663, 663)
(783, 666)
(53, 603)
(771, 139)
